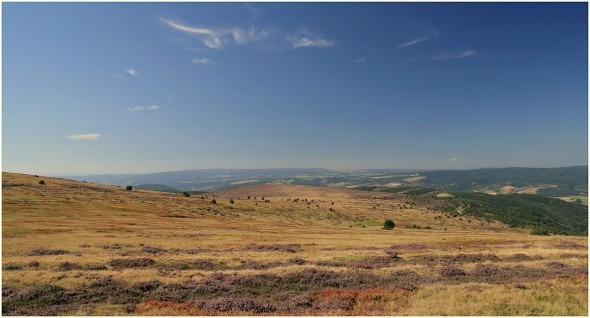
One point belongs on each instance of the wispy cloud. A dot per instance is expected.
(362, 59)
(266, 39)
(453, 159)
(170, 98)
(418, 40)
(454, 56)
(132, 72)
(317, 43)
(202, 61)
(142, 108)
(217, 38)
(84, 137)
(136, 108)
(118, 75)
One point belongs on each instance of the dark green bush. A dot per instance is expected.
(388, 224)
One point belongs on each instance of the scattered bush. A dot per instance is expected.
(12, 267)
(290, 248)
(214, 201)
(95, 267)
(131, 262)
(153, 250)
(186, 194)
(34, 264)
(388, 224)
(68, 266)
(129, 188)
(228, 304)
(337, 299)
(297, 261)
(540, 231)
(451, 271)
(41, 182)
(231, 200)
(41, 252)
(521, 257)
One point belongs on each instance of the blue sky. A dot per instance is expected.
(131, 88)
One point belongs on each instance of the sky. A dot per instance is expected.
(92, 88)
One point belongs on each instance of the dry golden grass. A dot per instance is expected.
(333, 225)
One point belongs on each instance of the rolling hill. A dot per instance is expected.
(80, 248)
(569, 183)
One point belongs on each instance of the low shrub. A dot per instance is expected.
(451, 271)
(131, 262)
(289, 248)
(153, 250)
(229, 304)
(34, 264)
(41, 252)
(68, 266)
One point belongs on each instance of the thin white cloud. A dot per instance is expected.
(136, 108)
(455, 56)
(317, 43)
(84, 137)
(202, 61)
(118, 75)
(417, 40)
(362, 59)
(132, 72)
(209, 37)
(217, 38)
(453, 159)
(142, 108)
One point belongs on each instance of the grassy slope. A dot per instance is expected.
(85, 219)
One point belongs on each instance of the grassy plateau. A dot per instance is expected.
(77, 248)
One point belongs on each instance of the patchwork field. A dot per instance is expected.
(76, 248)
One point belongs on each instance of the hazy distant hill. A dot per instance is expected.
(157, 187)
(569, 182)
(551, 181)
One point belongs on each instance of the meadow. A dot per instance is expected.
(77, 248)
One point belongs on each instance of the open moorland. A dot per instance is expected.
(77, 248)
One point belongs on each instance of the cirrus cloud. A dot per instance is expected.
(83, 137)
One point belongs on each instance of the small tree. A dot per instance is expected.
(186, 194)
(231, 200)
(129, 188)
(214, 201)
(41, 182)
(388, 224)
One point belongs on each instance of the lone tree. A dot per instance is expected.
(41, 182)
(186, 194)
(214, 201)
(388, 224)
(129, 188)
(231, 200)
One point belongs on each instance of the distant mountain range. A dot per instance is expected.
(566, 182)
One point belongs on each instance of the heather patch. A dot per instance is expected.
(451, 271)
(68, 266)
(289, 248)
(42, 252)
(153, 250)
(521, 257)
(131, 262)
